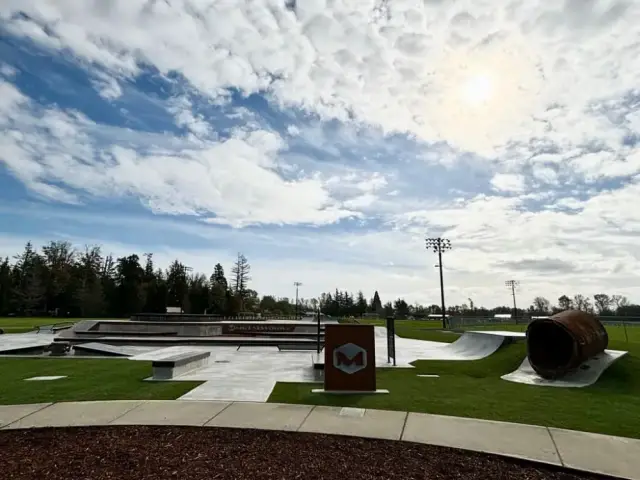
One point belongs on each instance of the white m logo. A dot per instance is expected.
(350, 358)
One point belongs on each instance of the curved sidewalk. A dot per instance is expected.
(595, 453)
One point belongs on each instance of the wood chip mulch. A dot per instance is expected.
(194, 453)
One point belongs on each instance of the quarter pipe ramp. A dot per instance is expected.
(586, 374)
(472, 345)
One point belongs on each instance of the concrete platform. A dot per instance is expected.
(268, 416)
(168, 412)
(512, 439)
(372, 424)
(601, 454)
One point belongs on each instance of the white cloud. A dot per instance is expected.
(551, 253)
(107, 86)
(53, 154)
(408, 70)
(545, 174)
(506, 182)
(542, 93)
(606, 165)
(7, 70)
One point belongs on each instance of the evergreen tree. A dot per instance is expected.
(361, 304)
(376, 304)
(177, 286)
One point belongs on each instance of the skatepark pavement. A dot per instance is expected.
(251, 373)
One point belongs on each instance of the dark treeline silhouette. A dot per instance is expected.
(63, 281)
(346, 304)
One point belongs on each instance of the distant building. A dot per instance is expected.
(502, 316)
(437, 315)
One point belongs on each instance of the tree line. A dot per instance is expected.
(346, 304)
(61, 280)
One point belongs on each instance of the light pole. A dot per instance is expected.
(439, 245)
(513, 284)
(297, 284)
(185, 269)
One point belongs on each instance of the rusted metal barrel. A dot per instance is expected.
(561, 343)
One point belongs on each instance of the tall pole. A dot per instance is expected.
(439, 245)
(185, 269)
(297, 284)
(444, 310)
(512, 284)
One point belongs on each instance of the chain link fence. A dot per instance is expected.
(476, 322)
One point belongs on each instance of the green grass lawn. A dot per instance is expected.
(419, 329)
(26, 324)
(475, 389)
(87, 379)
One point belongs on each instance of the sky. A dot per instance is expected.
(326, 139)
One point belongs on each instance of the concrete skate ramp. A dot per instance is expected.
(103, 349)
(24, 343)
(586, 374)
(472, 346)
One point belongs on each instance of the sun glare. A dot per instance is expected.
(477, 89)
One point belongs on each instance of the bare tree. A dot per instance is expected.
(240, 276)
(602, 302)
(565, 303)
(619, 301)
(541, 305)
(580, 302)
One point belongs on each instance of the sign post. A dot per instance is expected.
(318, 334)
(391, 340)
(349, 360)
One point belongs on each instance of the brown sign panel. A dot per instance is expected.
(256, 328)
(349, 358)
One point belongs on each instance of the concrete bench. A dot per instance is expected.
(176, 365)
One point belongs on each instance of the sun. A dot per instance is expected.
(477, 89)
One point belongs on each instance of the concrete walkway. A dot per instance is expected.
(583, 451)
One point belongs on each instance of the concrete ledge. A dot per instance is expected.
(181, 359)
(349, 392)
(176, 365)
(600, 454)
